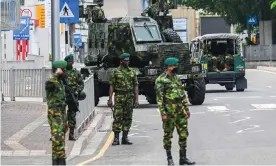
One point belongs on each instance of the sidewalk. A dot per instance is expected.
(25, 130)
(273, 69)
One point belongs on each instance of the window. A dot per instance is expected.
(22, 2)
(147, 33)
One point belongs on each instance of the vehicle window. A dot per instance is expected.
(147, 33)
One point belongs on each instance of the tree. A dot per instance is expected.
(234, 11)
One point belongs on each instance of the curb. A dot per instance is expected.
(86, 136)
(273, 69)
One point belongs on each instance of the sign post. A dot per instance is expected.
(69, 13)
(55, 28)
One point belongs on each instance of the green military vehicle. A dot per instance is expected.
(220, 53)
(149, 47)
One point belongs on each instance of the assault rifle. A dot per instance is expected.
(71, 94)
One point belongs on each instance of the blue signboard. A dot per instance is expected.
(69, 11)
(252, 20)
(77, 40)
(24, 32)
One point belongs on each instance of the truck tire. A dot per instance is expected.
(96, 92)
(171, 36)
(151, 97)
(196, 93)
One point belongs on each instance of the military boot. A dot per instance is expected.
(62, 161)
(183, 157)
(71, 134)
(169, 157)
(116, 140)
(125, 139)
(55, 162)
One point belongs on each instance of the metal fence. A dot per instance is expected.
(30, 83)
(260, 52)
(87, 106)
(24, 82)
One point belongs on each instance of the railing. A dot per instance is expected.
(24, 82)
(86, 106)
(261, 54)
(30, 83)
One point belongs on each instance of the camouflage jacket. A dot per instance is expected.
(55, 93)
(123, 79)
(152, 11)
(169, 90)
(97, 14)
(75, 81)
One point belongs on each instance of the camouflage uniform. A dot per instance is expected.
(55, 96)
(172, 102)
(98, 15)
(152, 11)
(123, 81)
(76, 84)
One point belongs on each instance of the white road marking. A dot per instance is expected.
(272, 96)
(266, 106)
(134, 129)
(251, 128)
(246, 118)
(198, 113)
(234, 112)
(134, 126)
(271, 72)
(251, 97)
(139, 136)
(136, 121)
(132, 134)
(262, 109)
(218, 109)
(269, 86)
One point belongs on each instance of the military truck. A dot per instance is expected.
(221, 55)
(149, 47)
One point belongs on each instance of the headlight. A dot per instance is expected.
(195, 69)
(152, 71)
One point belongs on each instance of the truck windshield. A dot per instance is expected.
(146, 33)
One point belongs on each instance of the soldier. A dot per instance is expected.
(97, 12)
(123, 81)
(55, 95)
(172, 103)
(76, 85)
(153, 10)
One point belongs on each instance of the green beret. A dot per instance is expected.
(171, 61)
(68, 57)
(124, 55)
(59, 64)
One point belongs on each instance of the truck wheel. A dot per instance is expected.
(171, 36)
(96, 92)
(196, 93)
(241, 84)
(151, 99)
(229, 86)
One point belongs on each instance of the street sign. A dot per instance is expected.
(77, 40)
(69, 11)
(24, 32)
(252, 20)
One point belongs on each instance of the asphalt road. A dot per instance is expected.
(229, 128)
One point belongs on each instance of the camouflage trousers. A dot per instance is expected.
(71, 114)
(123, 112)
(57, 121)
(175, 119)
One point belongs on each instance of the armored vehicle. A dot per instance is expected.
(220, 53)
(149, 42)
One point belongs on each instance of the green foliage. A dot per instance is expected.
(234, 11)
(273, 5)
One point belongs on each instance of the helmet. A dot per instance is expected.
(82, 95)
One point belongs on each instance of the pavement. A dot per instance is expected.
(267, 68)
(233, 128)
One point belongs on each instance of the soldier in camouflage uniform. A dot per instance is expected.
(97, 12)
(123, 81)
(172, 103)
(153, 10)
(55, 96)
(76, 85)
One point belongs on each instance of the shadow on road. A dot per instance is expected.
(226, 91)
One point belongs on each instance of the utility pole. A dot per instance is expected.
(55, 28)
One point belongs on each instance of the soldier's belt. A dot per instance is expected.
(123, 91)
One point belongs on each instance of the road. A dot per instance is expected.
(229, 128)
